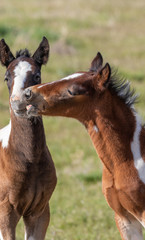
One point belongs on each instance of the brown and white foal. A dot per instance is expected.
(104, 104)
(27, 172)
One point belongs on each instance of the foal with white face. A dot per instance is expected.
(27, 172)
(104, 104)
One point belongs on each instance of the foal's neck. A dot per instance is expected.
(28, 136)
(112, 133)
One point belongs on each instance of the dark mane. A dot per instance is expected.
(23, 52)
(121, 87)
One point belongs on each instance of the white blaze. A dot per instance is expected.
(75, 75)
(136, 151)
(20, 77)
(5, 135)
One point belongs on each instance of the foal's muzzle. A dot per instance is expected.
(27, 94)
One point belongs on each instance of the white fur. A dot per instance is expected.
(5, 135)
(130, 230)
(95, 128)
(75, 75)
(45, 84)
(141, 222)
(28, 238)
(20, 77)
(136, 151)
(1, 237)
(25, 236)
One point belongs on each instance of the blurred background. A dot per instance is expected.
(76, 30)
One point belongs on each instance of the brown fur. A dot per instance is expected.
(27, 172)
(96, 101)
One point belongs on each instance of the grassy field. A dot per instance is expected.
(76, 30)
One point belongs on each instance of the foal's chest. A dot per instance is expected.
(27, 189)
(34, 192)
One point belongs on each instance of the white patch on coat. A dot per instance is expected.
(95, 128)
(28, 238)
(20, 77)
(75, 75)
(1, 237)
(130, 229)
(141, 222)
(5, 135)
(136, 151)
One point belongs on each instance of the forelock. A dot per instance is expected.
(23, 52)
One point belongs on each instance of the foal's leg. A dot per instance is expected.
(129, 227)
(8, 222)
(35, 228)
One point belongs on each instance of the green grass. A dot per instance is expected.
(76, 30)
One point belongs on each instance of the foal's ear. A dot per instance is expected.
(96, 63)
(6, 57)
(102, 79)
(41, 55)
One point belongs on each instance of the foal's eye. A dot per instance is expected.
(37, 77)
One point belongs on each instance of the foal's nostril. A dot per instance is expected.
(28, 93)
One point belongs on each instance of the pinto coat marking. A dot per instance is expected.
(20, 77)
(27, 172)
(5, 135)
(136, 150)
(99, 99)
